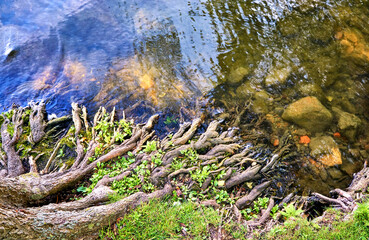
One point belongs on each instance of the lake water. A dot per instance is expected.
(163, 54)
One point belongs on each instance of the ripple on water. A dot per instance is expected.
(169, 53)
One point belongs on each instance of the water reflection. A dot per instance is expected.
(276, 53)
(169, 53)
(98, 41)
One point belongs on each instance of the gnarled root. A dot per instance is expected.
(80, 219)
(37, 122)
(254, 193)
(11, 131)
(211, 161)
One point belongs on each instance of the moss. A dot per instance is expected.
(10, 129)
(9, 114)
(165, 220)
(29, 175)
(68, 140)
(91, 226)
(69, 162)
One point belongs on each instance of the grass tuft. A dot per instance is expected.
(164, 220)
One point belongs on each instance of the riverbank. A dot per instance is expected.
(170, 220)
(80, 168)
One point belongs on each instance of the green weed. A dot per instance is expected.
(291, 211)
(150, 146)
(170, 120)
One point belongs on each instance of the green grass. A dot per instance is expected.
(166, 220)
(163, 220)
(334, 228)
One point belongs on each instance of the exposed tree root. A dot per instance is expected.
(211, 163)
(76, 220)
(255, 192)
(265, 215)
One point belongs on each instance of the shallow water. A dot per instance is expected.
(165, 54)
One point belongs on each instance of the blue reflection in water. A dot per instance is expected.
(64, 51)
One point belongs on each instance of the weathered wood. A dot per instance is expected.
(80, 219)
(249, 198)
(331, 200)
(247, 175)
(360, 181)
(37, 121)
(10, 134)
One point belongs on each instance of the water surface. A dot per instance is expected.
(162, 54)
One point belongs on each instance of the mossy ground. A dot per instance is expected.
(164, 220)
(335, 225)
(170, 220)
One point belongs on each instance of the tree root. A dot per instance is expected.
(37, 122)
(247, 175)
(249, 198)
(216, 169)
(71, 220)
(10, 134)
(263, 217)
(327, 199)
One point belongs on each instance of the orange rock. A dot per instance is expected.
(146, 82)
(304, 140)
(276, 142)
(334, 158)
(338, 35)
(336, 135)
(351, 36)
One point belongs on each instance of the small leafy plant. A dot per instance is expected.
(170, 120)
(200, 175)
(253, 212)
(150, 146)
(290, 211)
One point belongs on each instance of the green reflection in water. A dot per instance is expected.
(276, 52)
(272, 52)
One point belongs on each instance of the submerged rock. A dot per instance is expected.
(261, 102)
(247, 89)
(325, 150)
(311, 89)
(354, 45)
(308, 113)
(236, 75)
(277, 76)
(335, 173)
(347, 123)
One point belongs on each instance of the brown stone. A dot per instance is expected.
(325, 150)
(308, 113)
(331, 159)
